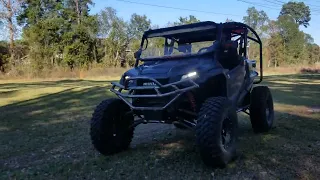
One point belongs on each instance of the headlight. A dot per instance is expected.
(126, 77)
(189, 75)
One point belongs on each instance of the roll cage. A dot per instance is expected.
(203, 31)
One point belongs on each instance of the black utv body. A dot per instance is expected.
(194, 76)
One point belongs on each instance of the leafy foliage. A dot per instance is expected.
(63, 33)
(186, 20)
(121, 36)
(285, 42)
(4, 55)
(256, 19)
(298, 11)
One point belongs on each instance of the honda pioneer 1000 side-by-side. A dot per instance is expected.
(195, 76)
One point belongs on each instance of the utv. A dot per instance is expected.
(194, 76)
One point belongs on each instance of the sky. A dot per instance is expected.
(211, 10)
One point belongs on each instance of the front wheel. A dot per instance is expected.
(216, 131)
(111, 127)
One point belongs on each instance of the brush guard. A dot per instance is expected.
(176, 90)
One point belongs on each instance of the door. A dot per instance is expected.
(235, 80)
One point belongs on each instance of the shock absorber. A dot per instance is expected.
(192, 101)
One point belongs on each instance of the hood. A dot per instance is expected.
(172, 67)
(166, 67)
(172, 70)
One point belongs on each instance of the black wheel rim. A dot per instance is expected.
(114, 128)
(268, 115)
(227, 133)
(117, 130)
(269, 111)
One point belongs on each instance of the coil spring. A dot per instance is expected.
(192, 101)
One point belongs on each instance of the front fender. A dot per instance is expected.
(211, 84)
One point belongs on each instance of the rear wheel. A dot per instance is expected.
(261, 109)
(111, 130)
(216, 132)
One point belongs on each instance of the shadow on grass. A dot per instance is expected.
(48, 137)
(8, 93)
(55, 106)
(60, 83)
(38, 129)
(294, 90)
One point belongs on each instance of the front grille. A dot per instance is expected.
(161, 81)
(140, 82)
(150, 102)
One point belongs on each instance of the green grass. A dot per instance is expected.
(44, 128)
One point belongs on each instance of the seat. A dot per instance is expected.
(228, 54)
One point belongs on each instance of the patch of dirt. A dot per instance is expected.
(146, 133)
(315, 109)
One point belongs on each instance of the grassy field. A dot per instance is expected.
(44, 128)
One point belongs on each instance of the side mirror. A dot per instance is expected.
(137, 54)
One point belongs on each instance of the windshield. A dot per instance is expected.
(161, 46)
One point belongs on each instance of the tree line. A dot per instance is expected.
(63, 33)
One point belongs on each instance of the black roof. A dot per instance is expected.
(198, 25)
(205, 28)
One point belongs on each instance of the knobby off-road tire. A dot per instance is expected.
(261, 109)
(111, 131)
(217, 117)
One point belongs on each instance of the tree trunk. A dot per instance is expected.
(78, 10)
(95, 53)
(11, 30)
(52, 59)
(269, 56)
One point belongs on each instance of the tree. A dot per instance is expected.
(186, 20)
(113, 29)
(77, 9)
(298, 11)
(315, 57)
(59, 32)
(229, 20)
(138, 24)
(256, 19)
(79, 49)
(136, 27)
(4, 55)
(312, 49)
(63, 33)
(43, 27)
(80, 40)
(293, 38)
(308, 39)
(276, 50)
(275, 46)
(8, 11)
(106, 18)
(33, 11)
(121, 36)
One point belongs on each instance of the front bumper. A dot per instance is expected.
(173, 91)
